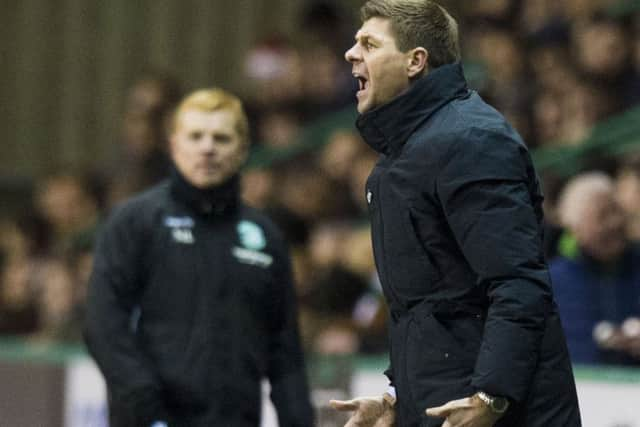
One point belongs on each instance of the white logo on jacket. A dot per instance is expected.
(248, 256)
(252, 237)
(183, 235)
(181, 229)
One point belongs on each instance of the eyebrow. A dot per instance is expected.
(367, 35)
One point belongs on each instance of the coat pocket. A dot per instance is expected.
(440, 358)
(447, 341)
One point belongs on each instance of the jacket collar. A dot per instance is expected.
(216, 201)
(388, 127)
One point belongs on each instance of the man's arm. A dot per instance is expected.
(484, 188)
(286, 367)
(112, 295)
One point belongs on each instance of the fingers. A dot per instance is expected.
(446, 409)
(344, 405)
(439, 411)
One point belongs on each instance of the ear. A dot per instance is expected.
(417, 62)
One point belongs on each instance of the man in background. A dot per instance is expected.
(596, 276)
(456, 213)
(191, 300)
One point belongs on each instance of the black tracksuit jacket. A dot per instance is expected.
(190, 305)
(456, 214)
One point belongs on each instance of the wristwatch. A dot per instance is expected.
(497, 404)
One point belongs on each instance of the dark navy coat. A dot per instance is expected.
(456, 212)
(211, 281)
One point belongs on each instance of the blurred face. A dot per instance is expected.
(381, 69)
(143, 121)
(628, 192)
(499, 50)
(601, 231)
(602, 48)
(65, 204)
(206, 147)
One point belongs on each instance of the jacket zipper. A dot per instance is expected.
(380, 238)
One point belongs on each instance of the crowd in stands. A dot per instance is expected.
(555, 68)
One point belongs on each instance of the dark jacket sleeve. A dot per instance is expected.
(113, 293)
(484, 187)
(286, 367)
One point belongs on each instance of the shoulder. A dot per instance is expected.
(484, 153)
(140, 208)
(469, 130)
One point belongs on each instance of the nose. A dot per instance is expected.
(353, 54)
(208, 145)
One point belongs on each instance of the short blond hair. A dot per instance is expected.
(214, 99)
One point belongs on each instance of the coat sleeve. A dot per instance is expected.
(113, 293)
(485, 188)
(286, 367)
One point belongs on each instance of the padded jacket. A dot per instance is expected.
(456, 213)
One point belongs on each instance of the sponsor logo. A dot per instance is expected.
(369, 196)
(251, 235)
(179, 222)
(183, 235)
(252, 257)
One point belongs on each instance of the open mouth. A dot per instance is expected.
(363, 83)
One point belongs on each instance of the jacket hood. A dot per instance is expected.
(220, 200)
(387, 127)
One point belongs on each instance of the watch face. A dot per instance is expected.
(499, 404)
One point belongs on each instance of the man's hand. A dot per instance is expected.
(368, 411)
(467, 412)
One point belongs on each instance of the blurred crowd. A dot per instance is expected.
(555, 68)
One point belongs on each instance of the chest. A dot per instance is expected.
(601, 296)
(209, 260)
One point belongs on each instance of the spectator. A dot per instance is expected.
(59, 314)
(23, 274)
(278, 127)
(628, 194)
(258, 187)
(141, 159)
(71, 207)
(18, 309)
(596, 277)
(274, 74)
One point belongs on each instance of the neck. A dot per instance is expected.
(216, 200)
